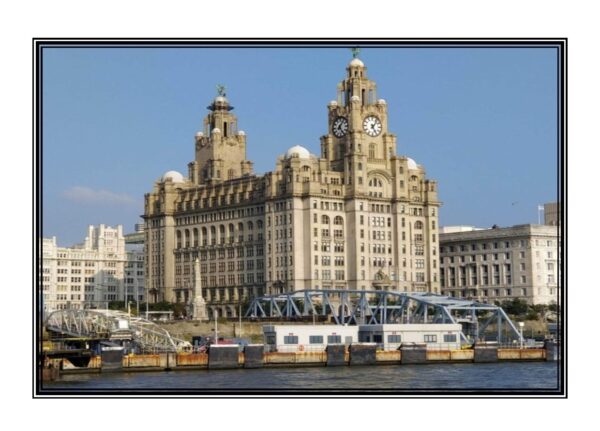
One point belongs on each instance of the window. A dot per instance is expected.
(394, 339)
(430, 338)
(449, 338)
(315, 339)
(334, 339)
(290, 339)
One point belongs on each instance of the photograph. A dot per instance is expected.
(338, 217)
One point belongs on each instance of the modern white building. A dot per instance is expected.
(442, 336)
(315, 338)
(91, 274)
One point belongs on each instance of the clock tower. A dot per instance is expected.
(357, 128)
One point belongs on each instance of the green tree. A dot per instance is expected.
(515, 307)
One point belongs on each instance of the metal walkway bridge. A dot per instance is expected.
(111, 325)
(381, 307)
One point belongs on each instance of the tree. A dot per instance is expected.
(516, 307)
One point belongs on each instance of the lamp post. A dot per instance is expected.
(240, 315)
(521, 324)
(216, 329)
(147, 300)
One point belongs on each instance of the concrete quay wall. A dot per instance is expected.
(255, 357)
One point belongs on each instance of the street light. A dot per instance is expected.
(521, 324)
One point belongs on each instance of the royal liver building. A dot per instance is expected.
(357, 216)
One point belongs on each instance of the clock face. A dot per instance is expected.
(340, 127)
(372, 125)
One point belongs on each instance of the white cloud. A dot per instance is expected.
(90, 196)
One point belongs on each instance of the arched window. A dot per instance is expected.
(305, 168)
(231, 234)
(195, 237)
(324, 219)
(418, 225)
(240, 232)
(178, 239)
(187, 238)
(250, 225)
(204, 236)
(371, 151)
(221, 234)
(231, 174)
(259, 224)
(338, 220)
(213, 235)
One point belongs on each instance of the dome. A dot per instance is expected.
(220, 99)
(411, 163)
(355, 98)
(199, 134)
(381, 102)
(242, 133)
(174, 176)
(297, 151)
(357, 62)
(216, 130)
(333, 103)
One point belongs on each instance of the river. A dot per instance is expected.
(501, 377)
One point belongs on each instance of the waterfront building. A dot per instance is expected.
(91, 274)
(316, 338)
(134, 281)
(357, 216)
(499, 264)
(552, 213)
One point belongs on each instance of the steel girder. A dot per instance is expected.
(380, 307)
(103, 324)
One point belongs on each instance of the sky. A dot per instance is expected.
(481, 121)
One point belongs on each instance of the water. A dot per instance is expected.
(524, 376)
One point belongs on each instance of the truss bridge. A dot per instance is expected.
(359, 307)
(112, 326)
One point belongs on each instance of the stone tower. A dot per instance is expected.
(220, 149)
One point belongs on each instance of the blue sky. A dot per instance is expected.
(482, 121)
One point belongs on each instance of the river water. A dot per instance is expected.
(530, 377)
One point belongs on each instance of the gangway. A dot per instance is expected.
(113, 325)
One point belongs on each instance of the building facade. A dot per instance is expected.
(500, 264)
(91, 274)
(358, 216)
(552, 213)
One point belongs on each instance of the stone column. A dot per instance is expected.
(199, 305)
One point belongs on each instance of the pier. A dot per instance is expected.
(254, 356)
